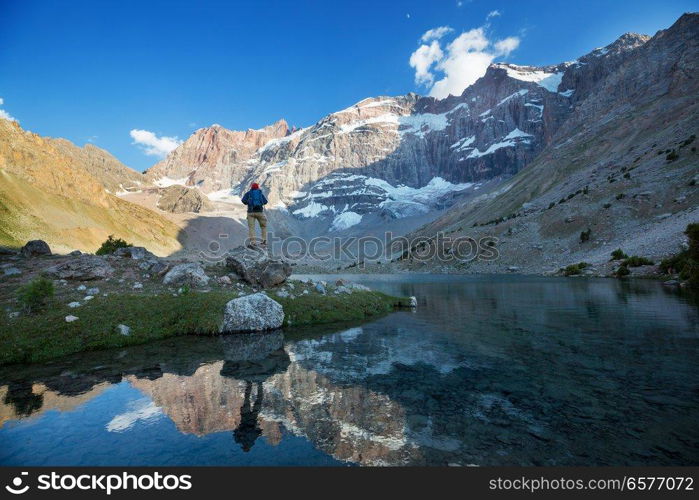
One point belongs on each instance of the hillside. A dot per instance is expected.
(48, 192)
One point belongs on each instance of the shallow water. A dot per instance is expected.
(487, 371)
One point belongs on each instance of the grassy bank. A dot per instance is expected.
(45, 334)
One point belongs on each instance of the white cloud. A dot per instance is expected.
(423, 59)
(493, 13)
(462, 61)
(152, 144)
(436, 33)
(4, 115)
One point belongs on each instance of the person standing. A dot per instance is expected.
(255, 200)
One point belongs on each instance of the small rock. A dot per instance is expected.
(74, 304)
(81, 288)
(283, 294)
(124, 330)
(342, 289)
(75, 253)
(93, 291)
(88, 297)
(190, 274)
(305, 292)
(34, 248)
(12, 271)
(159, 268)
(70, 318)
(138, 285)
(320, 288)
(568, 220)
(135, 253)
(224, 280)
(513, 269)
(671, 283)
(14, 315)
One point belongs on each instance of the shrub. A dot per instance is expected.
(586, 190)
(33, 295)
(585, 235)
(672, 156)
(622, 271)
(552, 204)
(607, 205)
(636, 261)
(620, 196)
(627, 175)
(574, 269)
(619, 254)
(111, 244)
(686, 263)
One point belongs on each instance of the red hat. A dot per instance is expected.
(255, 185)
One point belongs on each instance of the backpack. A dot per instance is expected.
(256, 200)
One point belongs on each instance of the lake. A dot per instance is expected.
(488, 370)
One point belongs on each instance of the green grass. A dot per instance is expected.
(318, 309)
(38, 337)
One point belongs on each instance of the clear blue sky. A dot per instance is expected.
(95, 70)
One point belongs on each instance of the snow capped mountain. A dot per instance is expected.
(395, 156)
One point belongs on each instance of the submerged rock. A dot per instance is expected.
(186, 274)
(82, 268)
(257, 267)
(34, 248)
(252, 313)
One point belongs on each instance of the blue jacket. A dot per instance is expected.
(255, 200)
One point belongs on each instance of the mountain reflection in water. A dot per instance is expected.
(488, 372)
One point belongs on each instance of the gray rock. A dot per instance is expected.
(88, 298)
(191, 274)
(224, 280)
(136, 253)
(82, 268)
(251, 313)
(124, 330)
(257, 267)
(75, 253)
(283, 294)
(671, 283)
(159, 268)
(138, 285)
(93, 291)
(34, 248)
(81, 288)
(73, 305)
(358, 288)
(513, 269)
(70, 318)
(342, 289)
(12, 271)
(13, 315)
(320, 288)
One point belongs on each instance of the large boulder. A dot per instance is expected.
(252, 313)
(254, 357)
(257, 267)
(191, 274)
(82, 268)
(136, 253)
(34, 248)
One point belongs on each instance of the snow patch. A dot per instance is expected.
(510, 140)
(549, 81)
(345, 220)
(166, 181)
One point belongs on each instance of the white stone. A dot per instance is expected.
(124, 330)
(74, 304)
(252, 313)
(70, 318)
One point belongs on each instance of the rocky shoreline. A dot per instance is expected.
(60, 304)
